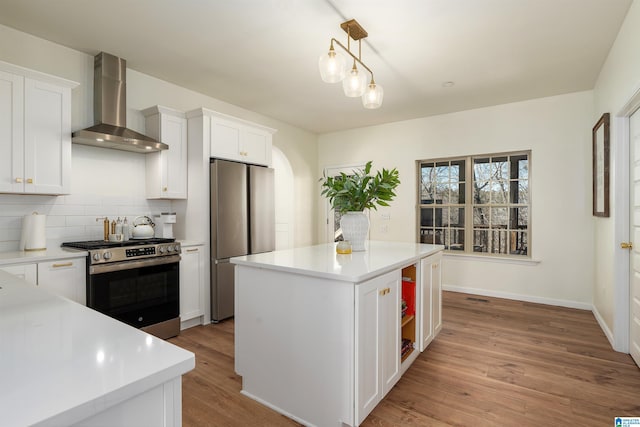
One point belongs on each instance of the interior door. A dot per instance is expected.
(334, 232)
(634, 309)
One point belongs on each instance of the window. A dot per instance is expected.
(476, 203)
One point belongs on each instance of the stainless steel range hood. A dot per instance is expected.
(110, 111)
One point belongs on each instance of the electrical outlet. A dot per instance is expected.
(384, 228)
(385, 216)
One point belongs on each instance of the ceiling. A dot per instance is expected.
(263, 54)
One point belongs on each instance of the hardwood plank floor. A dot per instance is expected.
(496, 362)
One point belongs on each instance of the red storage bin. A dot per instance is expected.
(409, 296)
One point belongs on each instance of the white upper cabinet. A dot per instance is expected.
(35, 132)
(239, 140)
(167, 169)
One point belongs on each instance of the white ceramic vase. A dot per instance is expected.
(355, 227)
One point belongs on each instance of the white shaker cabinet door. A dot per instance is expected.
(226, 140)
(66, 277)
(47, 138)
(256, 147)
(11, 132)
(27, 272)
(377, 340)
(431, 303)
(166, 170)
(191, 283)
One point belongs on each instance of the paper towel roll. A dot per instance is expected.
(34, 237)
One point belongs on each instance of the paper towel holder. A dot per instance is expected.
(33, 232)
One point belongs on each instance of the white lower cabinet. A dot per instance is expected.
(191, 286)
(28, 272)
(431, 299)
(66, 277)
(377, 340)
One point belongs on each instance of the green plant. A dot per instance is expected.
(361, 190)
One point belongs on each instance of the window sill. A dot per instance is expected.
(489, 258)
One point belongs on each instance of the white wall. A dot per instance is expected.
(111, 181)
(556, 129)
(619, 79)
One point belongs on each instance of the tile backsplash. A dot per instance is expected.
(72, 217)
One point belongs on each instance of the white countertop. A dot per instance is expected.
(323, 261)
(24, 257)
(61, 362)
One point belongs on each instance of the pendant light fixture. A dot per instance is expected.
(354, 82)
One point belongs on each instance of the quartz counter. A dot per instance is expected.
(322, 261)
(23, 257)
(62, 363)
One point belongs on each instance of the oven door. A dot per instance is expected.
(139, 293)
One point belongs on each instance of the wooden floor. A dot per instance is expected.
(495, 363)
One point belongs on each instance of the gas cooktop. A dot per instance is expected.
(101, 244)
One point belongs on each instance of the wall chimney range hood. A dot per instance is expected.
(110, 111)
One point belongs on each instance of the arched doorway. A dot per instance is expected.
(284, 189)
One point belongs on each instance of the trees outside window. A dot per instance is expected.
(476, 204)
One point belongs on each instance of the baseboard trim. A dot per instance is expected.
(519, 297)
(605, 328)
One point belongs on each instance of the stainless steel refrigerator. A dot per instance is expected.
(242, 222)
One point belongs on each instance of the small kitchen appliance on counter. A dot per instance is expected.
(164, 224)
(143, 228)
(136, 282)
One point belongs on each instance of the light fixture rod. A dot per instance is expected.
(353, 56)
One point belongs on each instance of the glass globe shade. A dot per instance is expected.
(372, 97)
(332, 66)
(354, 83)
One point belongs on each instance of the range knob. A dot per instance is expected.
(171, 248)
(107, 255)
(162, 249)
(96, 257)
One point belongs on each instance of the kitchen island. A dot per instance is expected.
(62, 364)
(322, 337)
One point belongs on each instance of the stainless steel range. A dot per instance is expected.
(136, 282)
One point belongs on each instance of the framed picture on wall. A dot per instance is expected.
(600, 136)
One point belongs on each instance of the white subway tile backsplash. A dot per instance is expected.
(56, 221)
(65, 210)
(71, 217)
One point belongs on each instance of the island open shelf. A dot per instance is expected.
(318, 335)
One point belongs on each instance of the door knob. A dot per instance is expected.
(626, 245)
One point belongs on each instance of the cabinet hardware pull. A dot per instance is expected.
(164, 188)
(626, 245)
(434, 266)
(385, 291)
(19, 180)
(29, 181)
(66, 264)
(192, 250)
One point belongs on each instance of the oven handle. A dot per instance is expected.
(129, 265)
